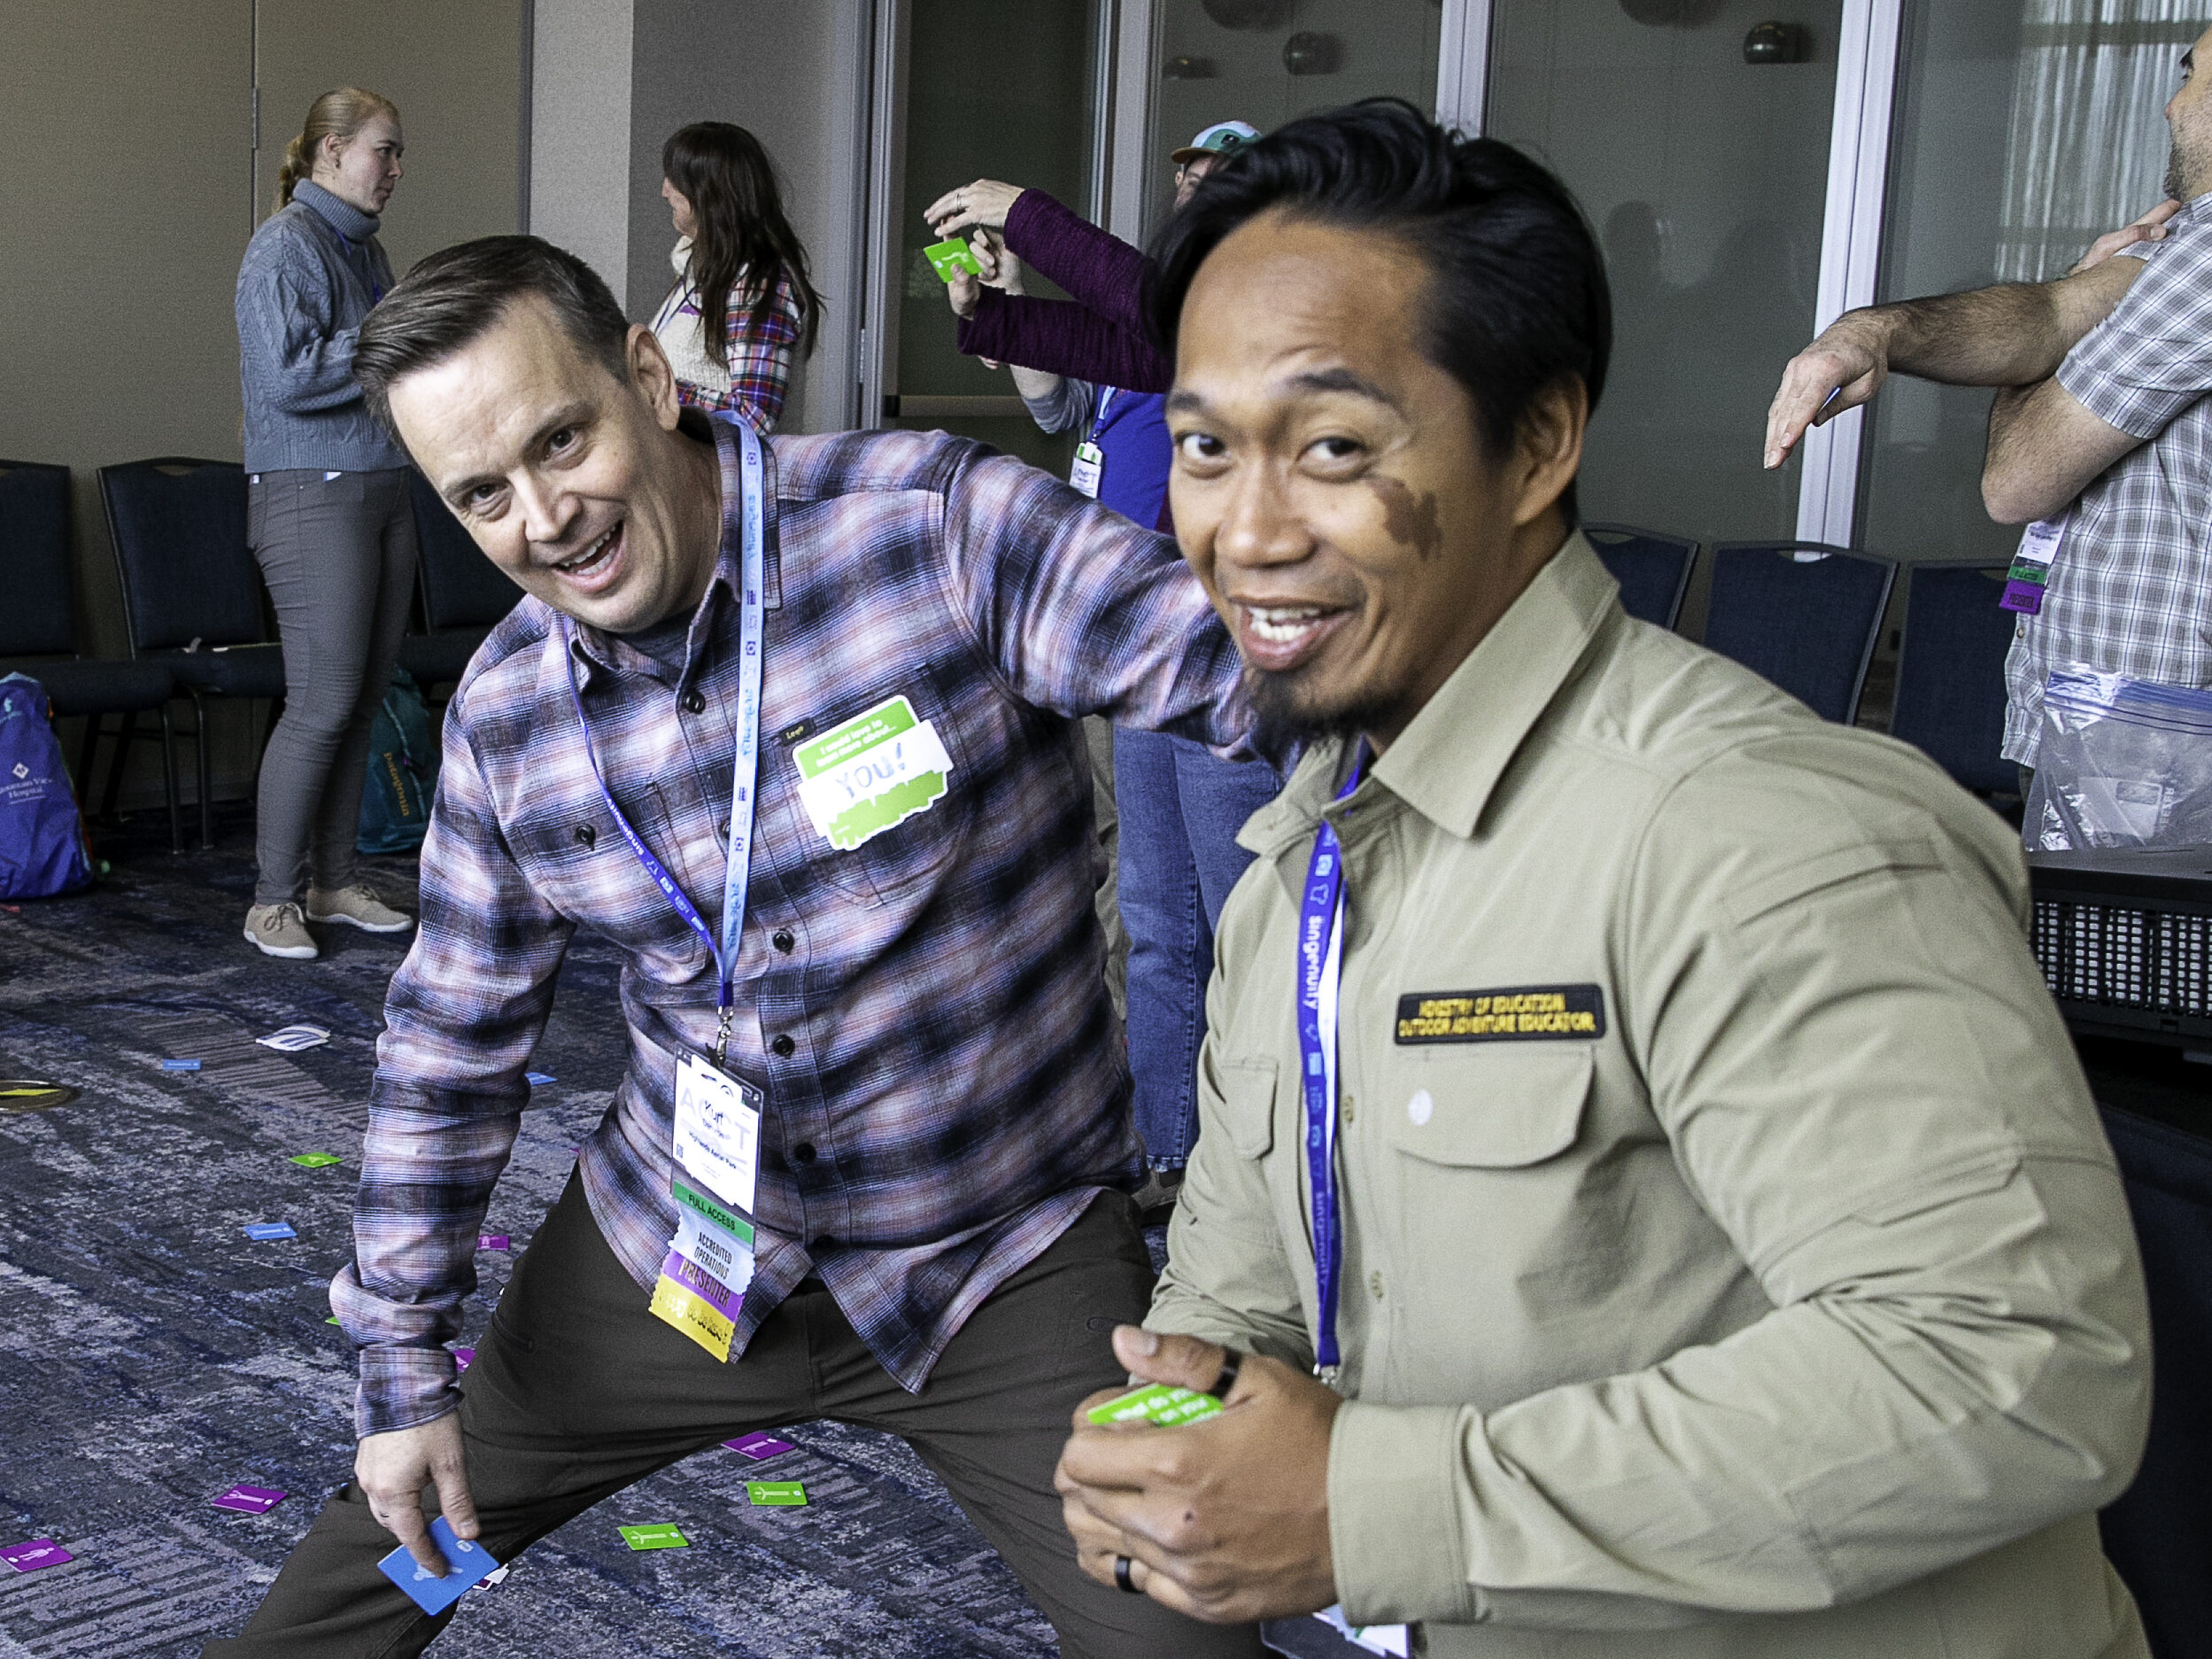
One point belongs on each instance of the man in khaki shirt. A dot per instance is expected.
(1731, 1263)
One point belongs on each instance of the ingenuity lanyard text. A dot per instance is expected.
(737, 876)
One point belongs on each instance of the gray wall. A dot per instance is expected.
(579, 174)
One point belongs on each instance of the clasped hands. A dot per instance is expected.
(1225, 1520)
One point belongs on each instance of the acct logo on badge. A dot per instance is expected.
(875, 772)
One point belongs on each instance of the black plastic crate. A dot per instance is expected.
(2125, 941)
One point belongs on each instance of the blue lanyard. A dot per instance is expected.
(1320, 955)
(737, 872)
(376, 288)
(1105, 398)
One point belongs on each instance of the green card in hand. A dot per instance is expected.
(948, 258)
(1158, 1404)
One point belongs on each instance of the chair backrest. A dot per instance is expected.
(1803, 614)
(461, 587)
(1951, 672)
(179, 526)
(1652, 568)
(37, 619)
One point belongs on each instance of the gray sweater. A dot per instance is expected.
(311, 274)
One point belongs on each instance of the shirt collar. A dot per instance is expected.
(600, 652)
(1447, 762)
(342, 216)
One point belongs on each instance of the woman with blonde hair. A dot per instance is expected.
(741, 302)
(328, 513)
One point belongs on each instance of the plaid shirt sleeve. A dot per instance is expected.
(759, 355)
(462, 1015)
(1083, 612)
(2152, 358)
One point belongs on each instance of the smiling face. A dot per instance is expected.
(1331, 488)
(363, 170)
(573, 482)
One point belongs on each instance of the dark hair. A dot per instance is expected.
(1517, 299)
(459, 292)
(720, 169)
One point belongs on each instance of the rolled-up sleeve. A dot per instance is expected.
(1868, 1089)
(2152, 358)
(462, 1015)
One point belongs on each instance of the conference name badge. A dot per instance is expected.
(709, 1260)
(872, 773)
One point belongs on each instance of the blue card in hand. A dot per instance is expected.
(468, 1564)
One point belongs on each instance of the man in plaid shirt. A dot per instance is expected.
(944, 1241)
(2102, 412)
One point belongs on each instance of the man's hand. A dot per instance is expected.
(1226, 1520)
(986, 202)
(1840, 370)
(393, 1469)
(2150, 228)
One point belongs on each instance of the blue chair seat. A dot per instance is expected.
(1804, 614)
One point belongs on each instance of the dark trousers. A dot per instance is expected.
(578, 1391)
(339, 555)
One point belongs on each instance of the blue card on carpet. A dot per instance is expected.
(469, 1564)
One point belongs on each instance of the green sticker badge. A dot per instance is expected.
(949, 259)
(318, 1160)
(1158, 1404)
(777, 1494)
(875, 770)
(663, 1536)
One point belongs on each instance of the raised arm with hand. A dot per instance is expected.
(2014, 334)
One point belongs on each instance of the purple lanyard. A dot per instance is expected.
(1320, 945)
(738, 871)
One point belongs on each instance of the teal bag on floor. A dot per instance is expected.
(402, 770)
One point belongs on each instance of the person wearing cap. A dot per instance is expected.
(1180, 807)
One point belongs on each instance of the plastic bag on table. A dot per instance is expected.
(2123, 763)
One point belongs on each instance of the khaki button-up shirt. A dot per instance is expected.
(1734, 1264)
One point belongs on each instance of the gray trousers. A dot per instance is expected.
(339, 555)
(578, 1391)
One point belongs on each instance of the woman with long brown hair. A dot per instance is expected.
(328, 513)
(741, 303)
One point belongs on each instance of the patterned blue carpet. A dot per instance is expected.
(150, 1356)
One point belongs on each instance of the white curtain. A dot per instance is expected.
(2088, 140)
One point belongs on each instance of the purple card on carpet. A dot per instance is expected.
(40, 1552)
(759, 1447)
(463, 1358)
(251, 1499)
(494, 1241)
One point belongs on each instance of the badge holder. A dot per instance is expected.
(2030, 572)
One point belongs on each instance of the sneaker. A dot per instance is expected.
(280, 930)
(356, 907)
(1155, 1200)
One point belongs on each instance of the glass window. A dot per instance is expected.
(2025, 129)
(1701, 157)
(1267, 61)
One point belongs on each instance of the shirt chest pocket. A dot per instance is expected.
(1503, 1106)
(580, 865)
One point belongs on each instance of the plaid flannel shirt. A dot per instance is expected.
(926, 1014)
(2131, 591)
(760, 354)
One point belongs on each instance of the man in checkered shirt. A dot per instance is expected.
(2102, 411)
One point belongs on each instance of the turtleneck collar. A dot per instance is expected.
(343, 217)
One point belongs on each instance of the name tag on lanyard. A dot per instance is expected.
(1089, 472)
(2030, 572)
(717, 1129)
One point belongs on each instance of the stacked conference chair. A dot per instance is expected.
(463, 594)
(38, 635)
(1804, 614)
(1950, 673)
(1652, 568)
(192, 592)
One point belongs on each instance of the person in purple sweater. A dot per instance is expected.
(1090, 359)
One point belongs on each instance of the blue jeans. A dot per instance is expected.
(1180, 810)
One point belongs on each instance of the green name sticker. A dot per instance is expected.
(949, 258)
(875, 772)
(1158, 1404)
(317, 1160)
(664, 1537)
(768, 1494)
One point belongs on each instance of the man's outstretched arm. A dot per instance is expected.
(2014, 334)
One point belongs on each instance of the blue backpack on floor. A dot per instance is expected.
(402, 770)
(43, 848)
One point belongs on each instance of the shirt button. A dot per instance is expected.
(783, 1044)
(803, 1152)
(586, 835)
(826, 1242)
(694, 703)
(1374, 1284)
(783, 940)
(1348, 1112)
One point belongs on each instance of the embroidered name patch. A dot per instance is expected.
(1525, 1015)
